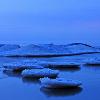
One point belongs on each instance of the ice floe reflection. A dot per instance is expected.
(61, 92)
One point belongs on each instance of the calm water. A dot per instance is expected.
(13, 87)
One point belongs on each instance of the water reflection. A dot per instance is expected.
(93, 67)
(12, 73)
(2, 76)
(61, 92)
(18, 75)
(31, 80)
(68, 69)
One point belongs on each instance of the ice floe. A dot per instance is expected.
(59, 83)
(40, 64)
(40, 73)
(57, 64)
(92, 62)
(49, 50)
(21, 65)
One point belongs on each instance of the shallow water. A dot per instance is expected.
(13, 87)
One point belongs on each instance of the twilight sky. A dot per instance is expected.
(50, 21)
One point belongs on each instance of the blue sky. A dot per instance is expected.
(46, 21)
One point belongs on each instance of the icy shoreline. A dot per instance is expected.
(49, 50)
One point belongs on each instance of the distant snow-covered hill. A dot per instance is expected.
(48, 50)
(8, 47)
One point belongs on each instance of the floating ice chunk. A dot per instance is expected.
(21, 65)
(60, 64)
(92, 62)
(59, 83)
(40, 73)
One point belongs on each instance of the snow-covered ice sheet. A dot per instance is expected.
(25, 64)
(59, 83)
(39, 73)
(8, 47)
(49, 50)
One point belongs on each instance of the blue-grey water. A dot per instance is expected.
(14, 87)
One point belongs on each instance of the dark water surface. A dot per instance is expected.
(13, 87)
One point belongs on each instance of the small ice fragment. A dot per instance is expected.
(40, 73)
(59, 83)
